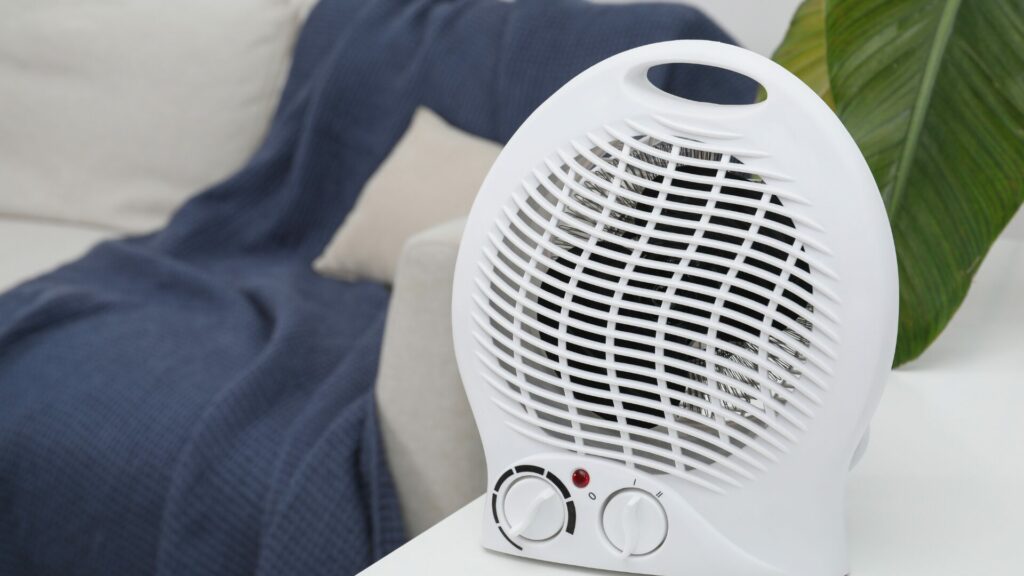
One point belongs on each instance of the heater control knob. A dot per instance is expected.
(634, 522)
(533, 509)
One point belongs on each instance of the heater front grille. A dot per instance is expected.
(645, 297)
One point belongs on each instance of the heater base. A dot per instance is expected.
(591, 512)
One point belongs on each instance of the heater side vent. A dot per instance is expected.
(652, 299)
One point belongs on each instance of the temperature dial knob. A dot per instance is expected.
(634, 522)
(533, 509)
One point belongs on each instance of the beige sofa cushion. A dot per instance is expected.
(29, 248)
(432, 443)
(431, 177)
(113, 113)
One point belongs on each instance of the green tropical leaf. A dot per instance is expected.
(802, 51)
(933, 93)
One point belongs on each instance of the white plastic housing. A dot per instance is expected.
(693, 300)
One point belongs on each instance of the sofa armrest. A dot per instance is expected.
(432, 444)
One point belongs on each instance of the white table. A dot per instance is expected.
(941, 489)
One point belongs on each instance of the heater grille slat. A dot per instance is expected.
(755, 274)
(540, 355)
(650, 298)
(639, 297)
(674, 395)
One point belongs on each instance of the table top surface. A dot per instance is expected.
(939, 492)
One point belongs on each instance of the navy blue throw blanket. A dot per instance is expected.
(197, 401)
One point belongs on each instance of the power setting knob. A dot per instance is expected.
(533, 509)
(634, 522)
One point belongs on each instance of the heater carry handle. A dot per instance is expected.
(634, 65)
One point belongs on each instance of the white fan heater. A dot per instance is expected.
(674, 320)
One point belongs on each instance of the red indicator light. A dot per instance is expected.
(580, 478)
